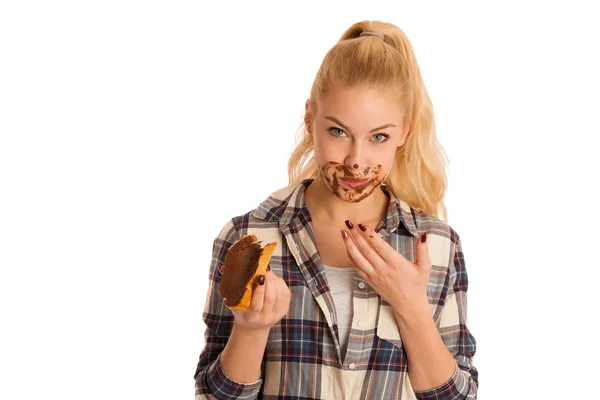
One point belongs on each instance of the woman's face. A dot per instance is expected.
(356, 134)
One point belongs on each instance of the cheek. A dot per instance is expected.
(381, 167)
(318, 153)
(324, 151)
(388, 161)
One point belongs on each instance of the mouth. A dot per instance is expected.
(354, 183)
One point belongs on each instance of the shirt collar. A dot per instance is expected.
(286, 205)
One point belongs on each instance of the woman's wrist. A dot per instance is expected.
(242, 357)
(416, 311)
(250, 333)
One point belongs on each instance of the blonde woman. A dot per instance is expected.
(365, 297)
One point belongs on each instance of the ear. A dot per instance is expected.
(308, 116)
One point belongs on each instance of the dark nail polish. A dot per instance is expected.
(261, 280)
(362, 227)
(345, 234)
(349, 224)
(268, 267)
(423, 238)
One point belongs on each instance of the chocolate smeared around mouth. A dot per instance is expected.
(333, 172)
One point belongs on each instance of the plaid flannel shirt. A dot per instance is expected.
(302, 359)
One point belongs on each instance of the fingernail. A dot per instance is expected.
(268, 267)
(362, 227)
(221, 268)
(349, 224)
(344, 234)
(423, 238)
(261, 280)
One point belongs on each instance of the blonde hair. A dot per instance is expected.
(380, 54)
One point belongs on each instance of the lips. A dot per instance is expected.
(354, 183)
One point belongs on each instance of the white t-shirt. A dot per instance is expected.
(341, 282)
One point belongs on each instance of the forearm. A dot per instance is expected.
(242, 356)
(430, 364)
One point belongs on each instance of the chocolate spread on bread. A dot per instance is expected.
(241, 263)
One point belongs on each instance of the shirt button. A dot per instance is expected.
(358, 324)
(361, 285)
(351, 365)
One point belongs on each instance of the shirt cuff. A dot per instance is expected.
(223, 387)
(452, 389)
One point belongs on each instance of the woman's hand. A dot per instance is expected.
(270, 302)
(402, 283)
(241, 359)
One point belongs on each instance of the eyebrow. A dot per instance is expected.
(337, 121)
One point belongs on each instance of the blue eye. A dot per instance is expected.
(380, 137)
(337, 132)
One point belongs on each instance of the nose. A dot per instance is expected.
(355, 158)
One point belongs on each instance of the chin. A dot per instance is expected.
(352, 196)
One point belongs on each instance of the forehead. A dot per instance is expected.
(361, 105)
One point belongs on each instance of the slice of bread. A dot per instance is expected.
(245, 261)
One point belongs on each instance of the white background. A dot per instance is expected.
(132, 131)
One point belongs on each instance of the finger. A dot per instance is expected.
(363, 243)
(258, 296)
(387, 253)
(363, 275)
(283, 298)
(270, 292)
(423, 260)
(355, 255)
(283, 291)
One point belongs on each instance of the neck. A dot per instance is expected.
(326, 206)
